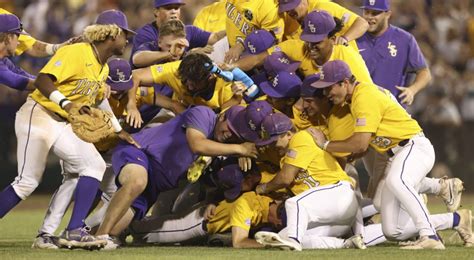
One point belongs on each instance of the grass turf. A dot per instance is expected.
(18, 229)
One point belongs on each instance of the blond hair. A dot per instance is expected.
(100, 32)
(173, 27)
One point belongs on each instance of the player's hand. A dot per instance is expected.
(227, 66)
(128, 138)
(406, 94)
(107, 91)
(341, 40)
(210, 212)
(177, 48)
(233, 54)
(248, 150)
(245, 163)
(208, 49)
(238, 88)
(318, 136)
(261, 188)
(134, 119)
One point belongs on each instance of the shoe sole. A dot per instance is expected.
(272, 240)
(72, 244)
(50, 247)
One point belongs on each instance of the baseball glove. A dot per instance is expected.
(91, 127)
(197, 168)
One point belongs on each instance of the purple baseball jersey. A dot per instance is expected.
(165, 153)
(147, 38)
(391, 57)
(13, 76)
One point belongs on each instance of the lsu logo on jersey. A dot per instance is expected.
(382, 142)
(392, 49)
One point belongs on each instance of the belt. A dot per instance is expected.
(402, 143)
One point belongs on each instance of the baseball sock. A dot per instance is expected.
(8, 200)
(456, 219)
(84, 196)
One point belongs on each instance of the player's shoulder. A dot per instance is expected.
(400, 33)
(302, 138)
(201, 112)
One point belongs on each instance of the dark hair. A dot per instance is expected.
(172, 27)
(338, 28)
(192, 68)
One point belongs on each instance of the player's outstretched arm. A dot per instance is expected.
(141, 77)
(240, 239)
(357, 29)
(283, 179)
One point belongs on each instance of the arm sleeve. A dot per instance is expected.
(366, 111)
(241, 215)
(271, 20)
(65, 64)
(13, 80)
(196, 37)
(416, 60)
(301, 151)
(200, 118)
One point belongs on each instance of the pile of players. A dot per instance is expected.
(265, 106)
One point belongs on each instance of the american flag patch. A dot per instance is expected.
(291, 153)
(159, 69)
(345, 18)
(360, 122)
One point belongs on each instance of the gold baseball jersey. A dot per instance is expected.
(246, 16)
(340, 125)
(211, 18)
(317, 167)
(167, 74)
(25, 41)
(145, 95)
(293, 28)
(249, 210)
(79, 77)
(294, 49)
(375, 111)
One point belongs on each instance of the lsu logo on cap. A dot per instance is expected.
(371, 2)
(321, 74)
(284, 60)
(312, 27)
(121, 75)
(275, 81)
(251, 48)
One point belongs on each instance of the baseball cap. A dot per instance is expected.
(379, 5)
(230, 179)
(317, 25)
(245, 122)
(287, 5)
(116, 17)
(284, 85)
(306, 89)
(331, 73)
(272, 126)
(258, 41)
(278, 61)
(160, 3)
(120, 75)
(9, 23)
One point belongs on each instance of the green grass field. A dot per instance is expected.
(18, 229)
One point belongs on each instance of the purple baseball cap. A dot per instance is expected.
(284, 85)
(287, 5)
(245, 122)
(116, 17)
(9, 23)
(272, 126)
(160, 3)
(258, 41)
(306, 89)
(278, 61)
(230, 179)
(317, 25)
(120, 75)
(332, 72)
(379, 5)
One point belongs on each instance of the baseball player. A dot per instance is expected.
(212, 17)
(294, 11)
(41, 123)
(387, 127)
(315, 47)
(246, 17)
(170, 10)
(162, 162)
(11, 75)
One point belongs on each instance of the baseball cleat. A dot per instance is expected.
(425, 242)
(464, 228)
(112, 242)
(270, 239)
(80, 238)
(45, 241)
(355, 241)
(450, 192)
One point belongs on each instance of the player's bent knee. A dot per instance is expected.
(95, 168)
(391, 232)
(24, 188)
(133, 177)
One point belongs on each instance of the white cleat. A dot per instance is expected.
(464, 228)
(451, 192)
(112, 243)
(45, 241)
(270, 239)
(425, 242)
(355, 241)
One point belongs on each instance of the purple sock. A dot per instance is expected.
(84, 196)
(456, 219)
(8, 200)
(435, 237)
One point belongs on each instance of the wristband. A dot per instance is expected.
(64, 102)
(116, 125)
(325, 145)
(347, 41)
(58, 98)
(51, 48)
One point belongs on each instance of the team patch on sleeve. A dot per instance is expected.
(345, 18)
(57, 63)
(247, 222)
(361, 122)
(291, 153)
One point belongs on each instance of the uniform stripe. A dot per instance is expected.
(27, 141)
(298, 206)
(406, 186)
(368, 243)
(171, 230)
